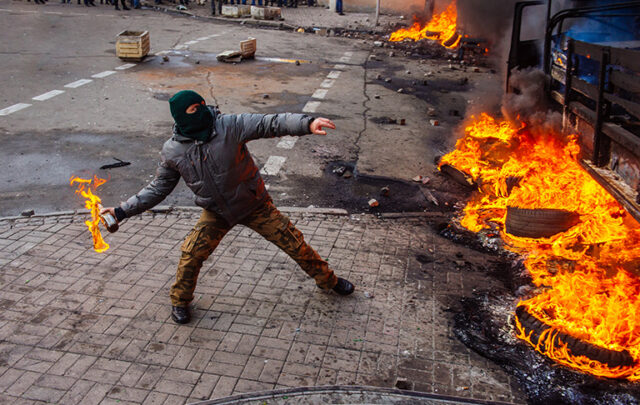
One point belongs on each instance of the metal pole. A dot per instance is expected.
(377, 12)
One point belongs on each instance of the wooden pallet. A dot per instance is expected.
(133, 45)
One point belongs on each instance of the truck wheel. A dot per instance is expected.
(539, 223)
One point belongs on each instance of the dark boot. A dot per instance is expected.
(344, 287)
(180, 315)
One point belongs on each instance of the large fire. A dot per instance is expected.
(442, 28)
(588, 276)
(93, 204)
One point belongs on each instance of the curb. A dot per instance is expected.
(287, 393)
(166, 209)
(241, 21)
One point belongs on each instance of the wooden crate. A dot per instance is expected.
(133, 45)
(248, 48)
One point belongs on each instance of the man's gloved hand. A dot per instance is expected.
(319, 123)
(110, 210)
(117, 213)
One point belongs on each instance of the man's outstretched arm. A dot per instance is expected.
(160, 187)
(254, 126)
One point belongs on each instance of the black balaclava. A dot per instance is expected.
(196, 126)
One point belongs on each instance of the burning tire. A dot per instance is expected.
(539, 223)
(534, 328)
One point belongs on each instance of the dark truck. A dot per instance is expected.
(590, 54)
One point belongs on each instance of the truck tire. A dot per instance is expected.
(539, 223)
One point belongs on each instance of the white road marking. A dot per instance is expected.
(334, 74)
(14, 108)
(179, 47)
(78, 83)
(104, 74)
(161, 53)
(273, 165)
(202, 39)
(48, 95)
(191, 42)
(287, 142)
(327, 83)
(320, 93)
(125, 66)
(311, 106)
(340, 66)
(53, 12)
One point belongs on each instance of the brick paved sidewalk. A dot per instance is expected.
(78, 327)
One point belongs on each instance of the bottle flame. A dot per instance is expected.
(93, 204)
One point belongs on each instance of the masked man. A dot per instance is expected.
(208, 150)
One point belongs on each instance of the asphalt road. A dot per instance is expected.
(91, 108)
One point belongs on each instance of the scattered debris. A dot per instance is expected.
(402, 121)
(28, 213)
(431, 112)
(339, 170)
(476, 70)
(454, 113)
(378, 76)
(408, 72)
(417, 179)
(297, 63)
(300, 30)
(429, 73)
(376, 96)
(229, 56)
(367, 294)
(387, 80)
(461, 388)
(265, 96)
(434, 123)
(425, 180)
(120, 163)
(384, 191)
(392, 54)
(400, 90)
(165, 58)
(373, 57)
(347, 174)
(429, 196)
(378, 44)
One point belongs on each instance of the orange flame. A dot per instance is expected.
(441, 28)
(588, 275)
(93, 204)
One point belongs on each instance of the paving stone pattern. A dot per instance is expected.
(79, 327)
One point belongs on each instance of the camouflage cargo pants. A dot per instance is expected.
(268, 222)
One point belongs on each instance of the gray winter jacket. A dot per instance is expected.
(220, 171)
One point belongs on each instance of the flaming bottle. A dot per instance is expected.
(109, 222)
